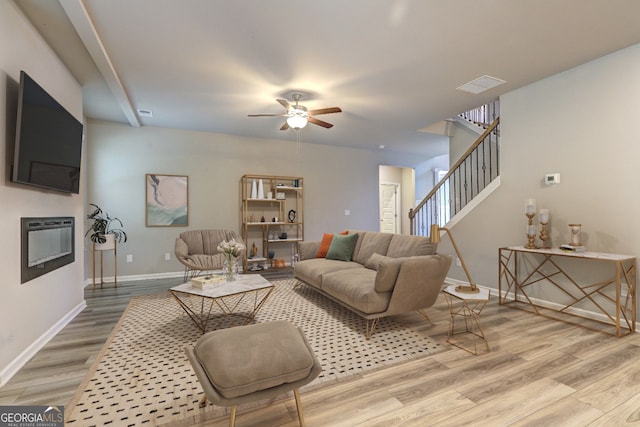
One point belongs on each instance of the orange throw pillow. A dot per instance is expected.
(326, 243)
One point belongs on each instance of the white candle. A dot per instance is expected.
(544, 215)
(529, 206)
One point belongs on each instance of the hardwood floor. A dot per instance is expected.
(539, 372)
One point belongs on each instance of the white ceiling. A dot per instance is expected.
(393, 66)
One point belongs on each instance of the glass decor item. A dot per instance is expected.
(231, 251)
(230, 267)
(575, 234)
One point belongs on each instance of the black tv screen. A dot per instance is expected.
(48, 143)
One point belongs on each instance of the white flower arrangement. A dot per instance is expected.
(230, 249)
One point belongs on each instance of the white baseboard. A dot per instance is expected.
(8, 372)
(138, 277)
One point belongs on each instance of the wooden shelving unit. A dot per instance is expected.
(266, 216)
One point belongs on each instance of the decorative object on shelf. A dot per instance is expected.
(544, 221)
(254, 189)
(103, 225)
(283, 235)
(434, 236)
(254, 250)
(530, 212)
(272, 254)
(167, 200)
(266, 216)
(260, 190)
(575, 234)
(231, 251)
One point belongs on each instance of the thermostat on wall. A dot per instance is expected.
(552, 178)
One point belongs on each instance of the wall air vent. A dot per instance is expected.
(481, 84)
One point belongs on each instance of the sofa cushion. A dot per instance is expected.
(388, 269)
(324, 245)
(311, 271)
(355, 287)
(404, 245)
(245, 359)
(342, 247)
(371, 243)
(374, 260)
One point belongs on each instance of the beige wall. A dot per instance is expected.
(335, 179)
(32, 312)
(580, 123)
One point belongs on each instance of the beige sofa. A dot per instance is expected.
(388, 274)
(197, 250)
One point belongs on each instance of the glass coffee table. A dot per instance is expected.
(242, 298)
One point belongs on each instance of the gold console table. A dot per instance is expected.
(523, 272)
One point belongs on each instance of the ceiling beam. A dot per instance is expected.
(81, 21)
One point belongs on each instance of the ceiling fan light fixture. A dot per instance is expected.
(297, 122)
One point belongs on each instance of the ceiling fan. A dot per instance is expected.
(297, 115)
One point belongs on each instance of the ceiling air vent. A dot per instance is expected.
(145, 113)
(481, 84)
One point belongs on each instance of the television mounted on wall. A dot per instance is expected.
(48, 143)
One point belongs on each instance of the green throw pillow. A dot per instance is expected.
(341, 247)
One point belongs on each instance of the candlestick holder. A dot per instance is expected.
(531, 232)
(544, 235)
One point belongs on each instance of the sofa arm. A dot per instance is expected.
(419, 282)
(308, 250)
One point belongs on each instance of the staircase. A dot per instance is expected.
(476, 170)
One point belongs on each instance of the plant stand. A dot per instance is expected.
(110, 245)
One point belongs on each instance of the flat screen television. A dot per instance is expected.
(48, 144)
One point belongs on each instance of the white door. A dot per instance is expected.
(389, 200)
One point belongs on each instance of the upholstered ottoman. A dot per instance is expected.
(248, 363)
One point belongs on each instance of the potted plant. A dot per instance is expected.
(104, 227)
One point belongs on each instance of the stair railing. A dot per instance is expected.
(484, 115)
(477, 167)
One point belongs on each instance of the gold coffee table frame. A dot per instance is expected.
(250, 290)
(543, 269)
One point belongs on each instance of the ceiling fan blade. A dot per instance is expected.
(266, 115)
(284, 103)
(285, 126)
(320, 122)
(325, 111)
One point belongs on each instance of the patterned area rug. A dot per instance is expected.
(143, 377)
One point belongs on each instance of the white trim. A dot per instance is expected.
(486, 192)
(16, 364)
(137, 278)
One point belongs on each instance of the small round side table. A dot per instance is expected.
(468, 307)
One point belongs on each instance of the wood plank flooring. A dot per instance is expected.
(538, 372)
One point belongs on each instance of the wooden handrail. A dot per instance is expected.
(481, 138)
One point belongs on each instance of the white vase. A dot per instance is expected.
(254, 189)
(260, 190)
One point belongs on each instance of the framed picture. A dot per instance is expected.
(167, 200)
